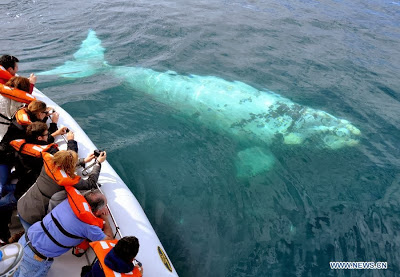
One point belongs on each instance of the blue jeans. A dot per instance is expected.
(8, 201)
(24, 224)
(31, 265)
(4, 172)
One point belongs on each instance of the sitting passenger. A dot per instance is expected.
(58, 171)
(118, 258)
(8, 69)
(59, 231)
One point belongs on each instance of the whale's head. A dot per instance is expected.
(341, 135)
(345, 134)
(304, 125)
(322, 129)
(273, 117)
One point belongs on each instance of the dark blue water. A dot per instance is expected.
(314, 205)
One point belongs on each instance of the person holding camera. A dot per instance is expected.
(36, 111)
(57, 171)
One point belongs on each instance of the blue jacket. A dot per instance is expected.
(113, 262)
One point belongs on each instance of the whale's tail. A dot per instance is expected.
(88, 60)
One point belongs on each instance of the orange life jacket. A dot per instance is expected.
(76, 200)
(101, 249)
(22, 117)
(31, 149)
(16, 94)
(5, 75)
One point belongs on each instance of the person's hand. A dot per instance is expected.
(32, 79)
(104, 214)
(70, 135)
(54, 117)
(60, 131)
(102, 157)
(89, 158)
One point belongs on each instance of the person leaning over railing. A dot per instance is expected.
(57, 171)
(36, 111)
(119, 258)
(59, 231)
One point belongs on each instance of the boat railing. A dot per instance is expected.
(117, 229)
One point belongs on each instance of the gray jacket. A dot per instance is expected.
(33, 205)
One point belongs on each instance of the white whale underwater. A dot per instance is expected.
(257, 117)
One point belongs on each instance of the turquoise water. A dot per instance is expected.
(314, 205)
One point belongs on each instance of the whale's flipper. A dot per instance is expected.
(88, 60)
(253, 161)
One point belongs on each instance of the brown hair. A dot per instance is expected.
(8, 61)
(18, 82)
(34, 130)
(37, 106)
(66, 160)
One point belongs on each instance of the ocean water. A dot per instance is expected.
(314, 205)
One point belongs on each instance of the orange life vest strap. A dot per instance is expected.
(101, 249)
(31, 149)
(16, 94)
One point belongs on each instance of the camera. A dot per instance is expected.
(136, 262)
(50, 112)
(97, 153)
(67, 130)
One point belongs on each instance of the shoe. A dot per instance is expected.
(16, 237)
(11, 257)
